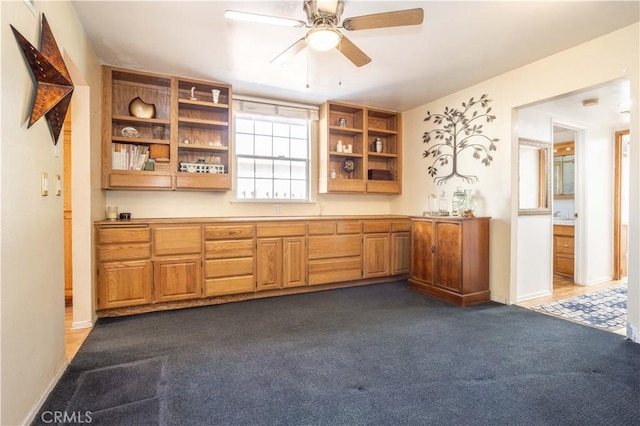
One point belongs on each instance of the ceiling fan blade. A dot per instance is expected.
(353, 52)
(263, 19)
(387, 19)
(289, 52)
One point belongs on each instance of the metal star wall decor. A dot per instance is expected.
(53, 82)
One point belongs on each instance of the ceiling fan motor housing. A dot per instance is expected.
(316, 16)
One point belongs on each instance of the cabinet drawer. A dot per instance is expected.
(564, 266)
(566, 230)
(289, 229)
(322, 228)
(224, 249)
(400, 226)
(332, 246)
(377, 226)
(348, 227)
(334, 270)
(231, 285)
(564, 245)
(112, 252)
(228, 267)
(124, 234)
(225, 232)
(177, 240)
(142, 180)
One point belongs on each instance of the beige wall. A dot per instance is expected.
(604, 59)
(31, 240)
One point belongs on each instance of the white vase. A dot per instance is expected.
(378, 145)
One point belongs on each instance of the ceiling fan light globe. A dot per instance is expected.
(323, 38)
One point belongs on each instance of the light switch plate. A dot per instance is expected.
(58, 185)
(44, 184)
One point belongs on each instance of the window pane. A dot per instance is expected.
(244, 126)
(281, 129)
(281, 169)
(245, 188)
(263, 146)
(299, 190)
(244, 144)
(299, 148)
(246, 167)
(299, 170)
(264, 168)
(281, 189)
(263, 128)
(299, 131)
(281, 147)
(264, 188)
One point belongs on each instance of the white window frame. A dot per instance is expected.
(274, 112)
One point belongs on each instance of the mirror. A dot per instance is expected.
(534, 183)
(564, 170)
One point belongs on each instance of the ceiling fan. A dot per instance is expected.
(323, 19)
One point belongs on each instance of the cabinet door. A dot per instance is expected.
(376, 256)
(269, 263)
(448, 255)
(124, 284)
(177, 279)
(400, 253)
(422, 246)
(294, 262)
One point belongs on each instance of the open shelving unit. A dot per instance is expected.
(344, 125)
(186, 145)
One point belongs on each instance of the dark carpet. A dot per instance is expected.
(378, 355)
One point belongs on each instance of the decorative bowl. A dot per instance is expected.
(130, 132)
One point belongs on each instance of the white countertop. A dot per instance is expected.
(569, 222)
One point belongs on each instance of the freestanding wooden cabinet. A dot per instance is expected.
(450, 258)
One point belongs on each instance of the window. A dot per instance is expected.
(272, 157)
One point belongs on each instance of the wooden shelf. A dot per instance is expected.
(200, 122)
(143, 141)
(129, 119)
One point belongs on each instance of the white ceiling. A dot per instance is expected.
(459, 44)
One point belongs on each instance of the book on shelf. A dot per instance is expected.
(126, 156)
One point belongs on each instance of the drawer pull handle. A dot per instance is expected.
(566, 246)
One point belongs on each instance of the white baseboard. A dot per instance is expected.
(36, 409)
(78, 325)
(534, 296)
(633, 333)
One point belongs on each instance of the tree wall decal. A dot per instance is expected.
(460, 130)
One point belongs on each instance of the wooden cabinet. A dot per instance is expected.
(177, 262)
(281, 255)
(350, 159)
(162, 264)
(376, 248)
(124, 266)
(177, 138)
(563, 250)
(400, 247)
(450, 258)
(229, 264)
(334, 252)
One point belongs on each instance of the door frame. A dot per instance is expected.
(617, 204)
